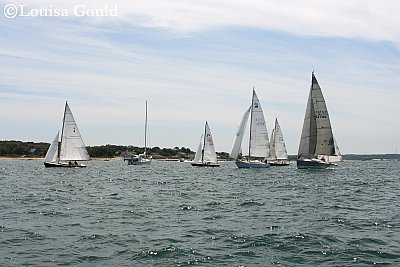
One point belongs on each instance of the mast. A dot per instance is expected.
(62, 132)
(145, 133)
(251, 121)
(204, 143)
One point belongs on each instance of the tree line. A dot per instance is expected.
(31, 149)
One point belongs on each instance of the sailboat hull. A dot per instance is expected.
(206, 164)
(137, 161)
(314, 164)
(62, 165)
(279, 163)
(251, 164)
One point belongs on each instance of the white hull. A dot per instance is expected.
(279, 162)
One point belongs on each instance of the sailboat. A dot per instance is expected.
(279, 156)
(205, 154)
(70, 149)
(141, 159)
(317, 144)
(258, 149)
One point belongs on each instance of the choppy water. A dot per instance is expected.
(171, 213)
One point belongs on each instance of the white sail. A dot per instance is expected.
(205, 153)
(198, 156)
(259, 144)
(316, 137)
(209, 154)
(279, 143)
(272, 154)
(72, 146)
(237, 145)
(52, 152)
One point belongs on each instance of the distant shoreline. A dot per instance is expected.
(98, 159)
(41, 158)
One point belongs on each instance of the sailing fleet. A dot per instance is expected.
(318, 148)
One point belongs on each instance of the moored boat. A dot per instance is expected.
(141, 159)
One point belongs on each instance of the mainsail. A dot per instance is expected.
(72, 146)
(259, 144)
(316, 136)
(209, 154)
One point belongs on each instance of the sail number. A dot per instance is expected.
(259, 122)
(321, 114)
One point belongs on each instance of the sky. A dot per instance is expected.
(197, 61)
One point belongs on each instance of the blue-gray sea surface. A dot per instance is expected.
(173, 214)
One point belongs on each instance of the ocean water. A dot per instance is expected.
(173, 214)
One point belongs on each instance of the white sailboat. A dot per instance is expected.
(317, 144)
(205, 155)
(279, 156)
(141, 159)
(70, 149)
(258, 149)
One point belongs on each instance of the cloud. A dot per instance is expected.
(365, 19)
